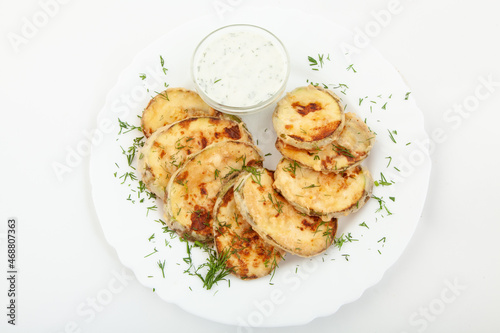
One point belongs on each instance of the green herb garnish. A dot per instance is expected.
(351, 67)
(292, 167)
(162, 267)
(383, 181)
(214, 269)
(277, 204)
(342, 150)
(392, 136)
(311, 186)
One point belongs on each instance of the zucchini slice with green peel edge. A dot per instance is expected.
(249, 255)
(323, 194)
(192, 190)
(277, 221)
(309, 117)
(348, 150)
(169, 147)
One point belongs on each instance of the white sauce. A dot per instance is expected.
(240, 68)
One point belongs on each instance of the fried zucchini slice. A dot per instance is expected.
(308, 117)
(350, 149)
(249, 256)
(277, 221)
(168, 148)
(192, 190)
(323, 194)
(172, 105)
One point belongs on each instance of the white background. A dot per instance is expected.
(55, 82)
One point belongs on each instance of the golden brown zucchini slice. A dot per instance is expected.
(250, 257)
(172, 105)
(167, 149)
(323, 194)
(192, 190)
(308, 117)
(275, 220)
(350, 149)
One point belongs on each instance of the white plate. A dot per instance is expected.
(302, 289)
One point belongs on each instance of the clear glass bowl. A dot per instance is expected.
(240, 69)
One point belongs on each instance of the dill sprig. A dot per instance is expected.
(132, 150)
(179, 145)
(162, 267)
(383, 181)
(317, 64)
(327, 233)
(292, 167)
(277, 204)
(340, 241)
(274, 264)
(342, 150)
(154, 251)
(351, 67)
(162, 63)
(126, 127)
(256, 174)
(215, 268)
(163, 94)
(311, 186)
(342, 86)
(391, 135)
(382, 205)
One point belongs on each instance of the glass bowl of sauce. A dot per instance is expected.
(240, 69)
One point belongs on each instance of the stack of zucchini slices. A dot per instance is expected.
(320, 173)
(190, 160)
(205, 167)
